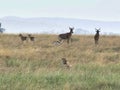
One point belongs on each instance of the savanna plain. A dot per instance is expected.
(38, 66)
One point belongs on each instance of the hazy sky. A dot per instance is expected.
(107, 10)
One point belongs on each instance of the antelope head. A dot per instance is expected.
(97, 30)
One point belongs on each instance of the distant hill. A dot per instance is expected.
(57, 25)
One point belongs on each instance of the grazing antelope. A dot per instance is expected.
(31, 37)
(96, 37)
(66, 36)
(23, 38)
(64, 61)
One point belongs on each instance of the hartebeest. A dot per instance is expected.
(23, 38)
(66, 36)
(96, 37)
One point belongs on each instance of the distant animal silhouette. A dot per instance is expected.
(23, 38)
(64, 61)
(96, 37)
(66, 36)
(31, 37)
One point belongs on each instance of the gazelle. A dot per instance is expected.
(96, 37)
(66, 36)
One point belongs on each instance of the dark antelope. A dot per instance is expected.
(31, 37)
(23, 38)
(66, 36)
(96, 37)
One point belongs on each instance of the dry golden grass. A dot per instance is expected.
(81, 50)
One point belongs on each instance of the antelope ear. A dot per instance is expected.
(99, 29)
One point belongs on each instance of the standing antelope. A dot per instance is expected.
(31, 37)
(23, 38)
(96, 37)
(66, 36)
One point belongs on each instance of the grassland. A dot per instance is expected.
(38, 66)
